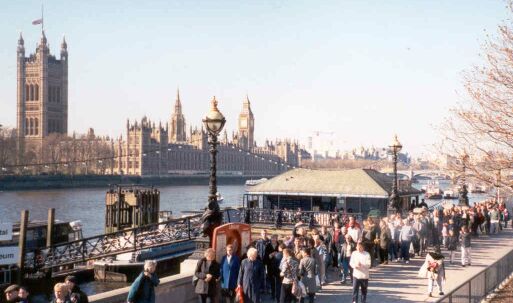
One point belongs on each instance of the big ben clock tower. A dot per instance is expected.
(246, 125)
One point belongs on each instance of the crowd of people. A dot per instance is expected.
(294, 267)
(65, 292)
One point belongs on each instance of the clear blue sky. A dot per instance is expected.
(363, 69)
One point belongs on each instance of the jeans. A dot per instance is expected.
(347, 270)
(363, 284)
(405, 250)
(392, 250)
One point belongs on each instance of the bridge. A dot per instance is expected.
(428, 173)
(159, 234)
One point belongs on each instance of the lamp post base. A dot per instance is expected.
(391, 211)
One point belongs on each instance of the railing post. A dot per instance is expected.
(134, 232)
(470, 291)
(21, 244)
(189, 227)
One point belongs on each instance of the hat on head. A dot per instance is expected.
(14, 287)
(71, 279)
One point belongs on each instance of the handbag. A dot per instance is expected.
(239, 294)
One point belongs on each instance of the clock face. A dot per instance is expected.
(243, 123)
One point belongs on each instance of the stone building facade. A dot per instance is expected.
(151, 149)
(42, 94)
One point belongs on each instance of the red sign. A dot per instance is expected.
(236, 234)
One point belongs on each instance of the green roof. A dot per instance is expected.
(348, 183)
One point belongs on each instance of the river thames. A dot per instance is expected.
(88, 205)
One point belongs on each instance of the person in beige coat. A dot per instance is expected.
(434, 270)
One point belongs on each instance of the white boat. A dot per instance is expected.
(255, 182)
(219, 197)
(451, 194)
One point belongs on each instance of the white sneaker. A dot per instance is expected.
(407, 262)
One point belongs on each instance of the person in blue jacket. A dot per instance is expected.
(143, 288)
(230, 265)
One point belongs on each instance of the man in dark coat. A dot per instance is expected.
(143, 288)
(230, 266)
(75, 293)
(251, 277)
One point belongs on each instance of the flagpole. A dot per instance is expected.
(42, 18)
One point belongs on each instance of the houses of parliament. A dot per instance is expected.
(147, 148)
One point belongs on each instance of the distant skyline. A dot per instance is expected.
(364, 70)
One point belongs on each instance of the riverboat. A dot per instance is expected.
(433, 191)
(477, 188)
(451, 194)
(255, 182)
(35, 243)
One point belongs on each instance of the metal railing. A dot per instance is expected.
(129, 240)
(290, 217)
(480, 285)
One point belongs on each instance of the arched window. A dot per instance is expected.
(58, 89)
(36, 93)
(26, 126)
(36, 126)
(27, 93)
(31, 126)
(31, 96)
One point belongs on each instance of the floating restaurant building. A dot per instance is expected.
(354, 190)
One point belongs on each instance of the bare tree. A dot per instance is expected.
(482, 125)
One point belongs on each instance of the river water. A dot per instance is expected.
(88, 205)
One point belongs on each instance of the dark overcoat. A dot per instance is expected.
(251, 277)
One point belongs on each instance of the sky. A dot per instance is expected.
(364, 70)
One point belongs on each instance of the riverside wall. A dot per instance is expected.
(176, 288)
(8, 183)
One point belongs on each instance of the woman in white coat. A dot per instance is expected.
(434, 270)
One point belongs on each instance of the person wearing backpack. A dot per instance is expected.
(143, 288)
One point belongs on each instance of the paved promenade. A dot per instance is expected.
(398, 282)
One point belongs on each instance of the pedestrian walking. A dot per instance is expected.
(205, 277)
(452, 245)
(23, 295)
(308, 270)
(347, 250)
(434, 270)
(11, 293)
(360, 262)
(60, 291)
(143, 288)
(230, 265)
(405, 237)
(251, 277)
(289, 271)
(466, 258)
(76, 295)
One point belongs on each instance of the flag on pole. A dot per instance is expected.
(37, 21)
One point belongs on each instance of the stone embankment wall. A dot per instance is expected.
(176, 289)
(84, 181)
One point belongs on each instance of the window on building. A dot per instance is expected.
(26, 126)
(36, 126)
(31, 126)
(58, 96)
(31, 95)
(36, 92)
(27, 93)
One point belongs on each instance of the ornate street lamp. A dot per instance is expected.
(394, 202)
(463, 200)
(212, 217)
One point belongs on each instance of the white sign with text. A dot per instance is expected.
(5, 231)
(9, 254)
